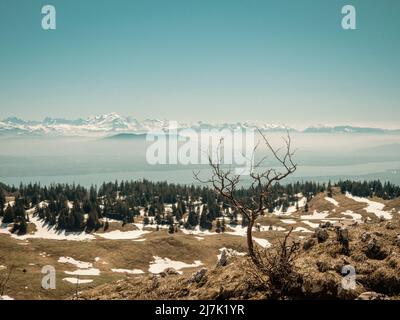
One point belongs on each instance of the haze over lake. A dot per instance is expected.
(87, 161)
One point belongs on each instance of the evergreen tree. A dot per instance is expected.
(329, 189)
(93, 222)
(205, 223)
(9, 215)
(193, 219)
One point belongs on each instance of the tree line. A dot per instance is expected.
(75, 208)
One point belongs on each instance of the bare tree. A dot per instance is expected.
(226, 183)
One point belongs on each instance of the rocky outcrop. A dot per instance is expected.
(370, 270)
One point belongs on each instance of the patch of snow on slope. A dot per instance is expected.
(352, 214)
(122, 235)
(372, 206)
(311, 224)
(198, 232)
(6, 298)
(134, 271)
(77, 281)
(333, 201)
(160, 264)
(76, 263)
(84, 268)
(292, 209)
(84, 272)
(262, 242)
(301, 229)
(44, 231)
(237, 231)
(288, 221)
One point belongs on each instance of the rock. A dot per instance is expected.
(198, 276)
(325, 225)
(374, 250)
(154, 282)
(226, 256)
(320, 285)
(171, 271)
(342, 236)
(322, 266)
(397, 241)
(372, 295)
(223, 260)
(321, 235)
(365, 237)
(390, 225)
(308, 244)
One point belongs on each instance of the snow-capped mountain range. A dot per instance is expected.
(113, 123)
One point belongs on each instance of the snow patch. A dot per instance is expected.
(134, 271)
(198, 232)
(77, 263)
(84, 272)
(333, 201)
(262, 242)
(122, 235)
(372, 206)
(77, 281)
(45, 231)
(288, 221)
(160, 264)
(352, 214)
(311, 224)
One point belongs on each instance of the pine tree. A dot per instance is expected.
(9, 215)
(93, 222)
(204, 220)
(329, 189)
(193, 219)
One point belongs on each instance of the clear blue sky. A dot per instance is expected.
(213, 60)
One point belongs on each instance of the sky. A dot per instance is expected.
(212, 60)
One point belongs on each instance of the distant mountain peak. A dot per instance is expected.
(114, 123)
